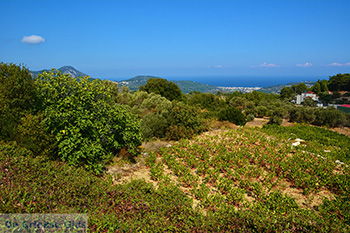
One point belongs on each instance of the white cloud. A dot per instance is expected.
(306, 64)
(33, 39)
(268, 65)
(339, 64)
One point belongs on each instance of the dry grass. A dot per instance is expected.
(257, 122)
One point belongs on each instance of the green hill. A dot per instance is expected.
(277, 88)
(185, 86)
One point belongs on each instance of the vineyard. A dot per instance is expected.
(267, 179)
(270, 179)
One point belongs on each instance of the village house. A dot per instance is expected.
(300, 98)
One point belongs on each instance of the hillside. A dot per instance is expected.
(277, 88)
(64, 69)
(250, 180)
(185, 86)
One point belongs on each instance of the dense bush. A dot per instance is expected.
(339, 82)
(17, 98)
(275, 120)
(162, 118)
(88, 126)
(207, 101)
(162, 87)
(184, 121)
(318, 116)
(232, 115)
(329, 117)
(31, 134)
(302, 115)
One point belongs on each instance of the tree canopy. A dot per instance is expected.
(89, 127)
(162, 87)
(339, 82)
(17, 97)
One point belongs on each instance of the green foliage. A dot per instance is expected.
(238, 178)
(302, 115)
(275, 120)
(88, 126)
(207, 101)
(17, 97)
(330, 117)
(162, 87)
(184, 121)
(316, 88)
(162, 118)
(339, 82)
(261, 111)
(32, 135)
(232, 115)
(38, 185)
(318, 116)
(318, 136)
(154, 125)
(309, 102)
(299, 88)
(324, 85)
(287, 93)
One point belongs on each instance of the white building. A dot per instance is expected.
(303, 96)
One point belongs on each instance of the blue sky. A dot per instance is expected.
(179, 38)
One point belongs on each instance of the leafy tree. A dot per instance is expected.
(31, 134)
(339, 82)
(330, 117)
(183, 121)
(162, 87)
(232, 115)
(241, 103)
(275, 120)
(88, 126)
(309, 102)
(205, 100)
(316, 88)
(287, 93)
(324, 85)
(299, 88)
(302, 115)
(17, 97)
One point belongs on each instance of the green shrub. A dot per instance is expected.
(329, 117)
(232, 115)
(261, 111)
(162, 87)
(32, 135)
(154, 125)
(302, 115)
(88, 126)
(275, 120)
(183, 121)
(250, 117)
(17, 97)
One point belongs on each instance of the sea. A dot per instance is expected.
(246, 81)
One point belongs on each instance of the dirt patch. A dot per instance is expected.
(154, 146)
(287, 123)
(343, 130)
(257, 122)
(124, 173)
(214, 125)
(305, 201)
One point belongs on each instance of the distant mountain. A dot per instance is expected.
(185, 86)
(65, 70)
(277, 88)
